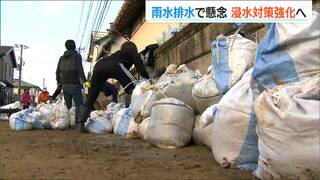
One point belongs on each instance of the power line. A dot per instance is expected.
(102, 17)
(105, 15)
(88, 16)
(80, 21)
(94, 21)
(96, 15)
(99, 21)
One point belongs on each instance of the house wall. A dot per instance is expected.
(9, 70)
(150, 33)
(145, 34)
(1, 66)
(6, 72)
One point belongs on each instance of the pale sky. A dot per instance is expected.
(44, 26)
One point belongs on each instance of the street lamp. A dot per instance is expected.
(21, 46)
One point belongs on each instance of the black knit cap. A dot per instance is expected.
(129, 47)
(70, 44)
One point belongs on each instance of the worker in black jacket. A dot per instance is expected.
(68, 74)
(115, 66)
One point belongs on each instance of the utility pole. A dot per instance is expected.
(80, 49)
(43, 83)
(21, 46)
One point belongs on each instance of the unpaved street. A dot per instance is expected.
(48, 154)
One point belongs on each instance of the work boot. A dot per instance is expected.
(80, 126)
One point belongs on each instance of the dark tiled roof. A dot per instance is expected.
(25, 84)
(128, 15)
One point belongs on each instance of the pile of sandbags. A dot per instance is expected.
(232, 56)
(25, 120)
(44, 116)
(170, 125)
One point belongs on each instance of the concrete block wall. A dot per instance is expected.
(191, 46)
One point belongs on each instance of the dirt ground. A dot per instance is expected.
(55, 154)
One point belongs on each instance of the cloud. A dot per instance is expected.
(52, 8)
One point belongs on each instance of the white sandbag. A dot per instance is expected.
(124, 124)
(202, 131)
(170, 125)
(15, 105)
(288, 53)
(97, 113)
(232, 57)
(35, 118)
(288, 129)
(181, 90)
(234, 139)
(171, 69)
(137, 90)
(99, 124)
(184, 73)
(174, 73)
(141, 101)
(16, 121)
(72, 117)
(61, 116)
(114, 107)
(47, 114)
(141, 108)
(205, 93)
(142, 128)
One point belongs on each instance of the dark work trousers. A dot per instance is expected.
(73, 92)
(102, 71)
